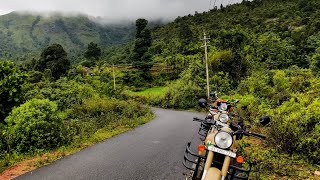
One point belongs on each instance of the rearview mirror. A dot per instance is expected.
(203, 103)
(244, 107)
(264, 120)
(213, 94)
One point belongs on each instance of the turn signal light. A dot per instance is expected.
(201, 147)
(240, 159)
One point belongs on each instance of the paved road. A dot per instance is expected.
(152, 151)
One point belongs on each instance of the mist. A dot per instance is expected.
(113, 10)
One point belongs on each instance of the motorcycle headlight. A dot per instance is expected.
(224, 118)
(224, 106)
(223, 140)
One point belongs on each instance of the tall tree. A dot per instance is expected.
(140, 56)
(55, 59)
(93, 52)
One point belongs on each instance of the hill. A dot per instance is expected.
(23, 36)
(274, 34)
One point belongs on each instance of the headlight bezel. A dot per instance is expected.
(224, 106)
(224, 117)
(225, 134)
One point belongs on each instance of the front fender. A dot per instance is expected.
(213, 174)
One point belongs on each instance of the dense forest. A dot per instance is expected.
(23, 36)
(266, 53)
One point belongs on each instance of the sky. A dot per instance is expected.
(114, 9)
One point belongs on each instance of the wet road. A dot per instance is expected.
(152, 151)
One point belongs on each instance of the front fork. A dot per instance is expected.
(225, 166)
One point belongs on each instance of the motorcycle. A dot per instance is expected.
(217, 157)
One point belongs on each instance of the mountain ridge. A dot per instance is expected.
(23, 36)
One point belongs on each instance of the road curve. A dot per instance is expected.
(152, 151)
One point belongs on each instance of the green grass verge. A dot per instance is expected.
(155, 91)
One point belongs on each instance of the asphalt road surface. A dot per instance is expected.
(152, 151)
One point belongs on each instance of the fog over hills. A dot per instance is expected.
(23, 36)
(115, 10)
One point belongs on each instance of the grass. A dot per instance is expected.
(14, 165)
(152, 96)
(155, 91)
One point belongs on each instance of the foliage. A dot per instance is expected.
(140, 57)
(315, 62)
(93, 52)
(23, 35)
(55, 59)
(11, 80)
(103, 111)
(35, 125)
(63, 92)
(184, 92)
(291, 97)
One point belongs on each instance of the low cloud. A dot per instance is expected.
(113, 10)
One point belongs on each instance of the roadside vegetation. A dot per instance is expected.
(56, 107)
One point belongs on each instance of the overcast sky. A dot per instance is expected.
(114, 9)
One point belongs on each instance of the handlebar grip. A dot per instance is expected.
(261, 136)
(197, 119)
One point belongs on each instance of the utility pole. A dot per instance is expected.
(114, 78)
(205, 39)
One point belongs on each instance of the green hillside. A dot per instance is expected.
(271, 33)
(25, 36)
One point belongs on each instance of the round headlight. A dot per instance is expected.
(223, 140)
(224, 118)
(224, 106)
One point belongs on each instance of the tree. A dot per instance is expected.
(315, 62)
(93, 52)
(55, 59)
(11, 80)
(186, 36)
(140, 56)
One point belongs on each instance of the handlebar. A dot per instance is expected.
(240, 131)
(197, 119)
(204, 121)
(261, 136)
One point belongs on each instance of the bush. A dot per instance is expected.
(65, 93)
(3, 144)
(35, 126)
(296, 127)
(11, 80)
(185, 92)
(96, 113)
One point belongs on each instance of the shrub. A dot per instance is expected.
(295, 128)
(65, 93)
(34, 126)
(2, 139)
(11, 80)
(96, 113)
(184, 93)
